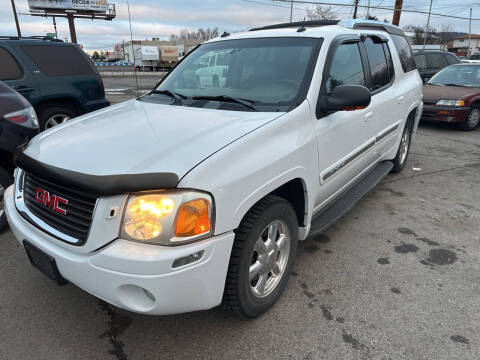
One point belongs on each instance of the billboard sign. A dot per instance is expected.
(83, 5)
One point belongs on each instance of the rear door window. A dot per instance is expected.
(380, 75)
(59, 60)
(420, 61)
(347, 68)
(404, 52)
(451, 59)
(9, 68)
(435, 61)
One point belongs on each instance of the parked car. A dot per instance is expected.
(429, 62)
(57, 78)
(18, 124)
(453, 95)
(475, 58)
(213, 70)
(199, 196)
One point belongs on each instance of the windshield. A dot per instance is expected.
(458, 75)
(268, 73)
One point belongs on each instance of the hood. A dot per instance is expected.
(433, 93)
(136, 137)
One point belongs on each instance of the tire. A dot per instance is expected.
(403, 149)
(472, 120)
(54, 115)
(273, 261)
(216, 82)
(6, 179)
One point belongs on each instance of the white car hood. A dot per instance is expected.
(137, 137)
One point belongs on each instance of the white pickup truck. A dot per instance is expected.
(191, 197)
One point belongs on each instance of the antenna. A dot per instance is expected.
(133, 51)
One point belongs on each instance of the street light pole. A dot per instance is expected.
(291, 11)
(368, 10)
(470, 34)
(16, 18)
(428, 25)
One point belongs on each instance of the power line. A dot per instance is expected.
(380, 8)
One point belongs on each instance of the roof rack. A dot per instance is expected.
(352, 24)
(45, 38)
(298, 24)
(371, 25)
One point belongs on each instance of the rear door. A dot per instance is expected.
(345, 138)
(64, 71)
(17, 75)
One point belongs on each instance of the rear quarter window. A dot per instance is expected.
(9, 68)
(404, 52)
(59, 60)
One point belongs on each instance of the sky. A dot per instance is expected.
(162, 18)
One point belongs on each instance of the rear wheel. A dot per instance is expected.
(472, 120)
(55, 115)
(404, 149)
(262, 257)
(6, 179)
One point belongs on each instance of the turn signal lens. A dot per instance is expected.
(193, 218)
(144, 213)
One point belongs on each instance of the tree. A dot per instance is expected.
(419, 34)
(447, 33)
(321, 13)
(95, 56)
(372, 17)
(200, 34)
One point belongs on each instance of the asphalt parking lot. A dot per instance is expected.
(397, 278)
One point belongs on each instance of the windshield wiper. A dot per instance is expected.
(227, 98)
(179, 98)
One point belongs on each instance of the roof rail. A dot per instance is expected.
(371, 24)
(45, 38)
(298, 24)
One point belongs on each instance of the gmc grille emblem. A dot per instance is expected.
(51, 201)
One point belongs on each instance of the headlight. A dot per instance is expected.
(456, 103)
(26, 117)
(168, 218)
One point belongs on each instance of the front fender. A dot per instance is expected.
(247, 170)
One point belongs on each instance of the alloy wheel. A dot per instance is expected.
(474, 118)
(269, 259)
(55, 120)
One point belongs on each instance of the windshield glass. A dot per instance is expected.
(458, 75)
(267, 72)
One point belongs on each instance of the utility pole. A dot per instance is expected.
(368, 10)
(470, 34)
(55, 27)
(355, 9)
(428, 25)
(71, 25)
(291, 11)
(16, 18)
(397, 12)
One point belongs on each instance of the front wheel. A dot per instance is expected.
(472, 120)
(262, 257)
(6, 179)
(403, 150)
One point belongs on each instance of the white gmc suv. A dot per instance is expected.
(191, 197)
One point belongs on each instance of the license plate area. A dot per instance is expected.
(44, 262)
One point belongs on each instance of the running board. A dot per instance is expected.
(350, 198)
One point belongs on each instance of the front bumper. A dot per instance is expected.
(444, 113)
(134, 276)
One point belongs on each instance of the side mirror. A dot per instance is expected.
(425, 80)
(345, 98)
